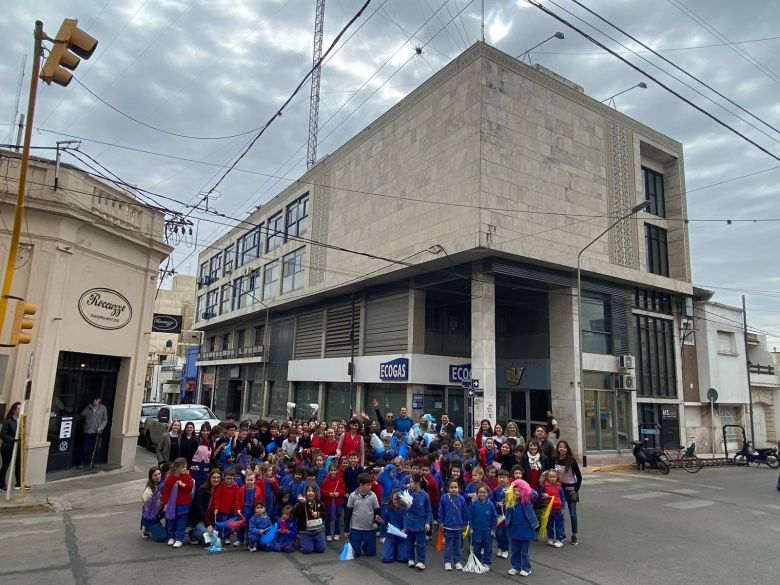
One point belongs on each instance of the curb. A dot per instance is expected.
(615, 467)
(26, 509)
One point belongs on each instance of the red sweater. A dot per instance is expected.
(241, 494)
(326, 447)
(329, 486)
(184, 494)
(377, 489)
(350, 443)
(433, 491)
(554, 491)
(223, 500)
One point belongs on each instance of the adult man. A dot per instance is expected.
(95, 418)
(552, 426)
(548, 447)
(446, 426)
(387, 424)
(403, 423)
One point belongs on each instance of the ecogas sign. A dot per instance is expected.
(105, 308)
(460, 373)
(396, 370)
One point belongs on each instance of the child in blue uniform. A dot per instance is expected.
(417, 523)
(394, 547)
(286, 531)
(483, 519)
(258, 525)
(453, 518)
(502, 540)
(521, 524)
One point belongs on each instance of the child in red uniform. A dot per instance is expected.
(551, 488)
(178, 509)
(223, 502)
(333, 492)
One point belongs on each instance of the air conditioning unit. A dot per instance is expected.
(208, 315)
(627, 362)
(625, 382)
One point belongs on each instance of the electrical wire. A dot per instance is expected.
(654, 79)
(689, 48)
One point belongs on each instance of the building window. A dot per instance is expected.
(228, 262)
(271, 280)
(225, 297)
(258, 334)
(204, 271)
(257, 284)
(607, 412)
(226, 342)
(248, 247)
(275, 235)
(297, 220)
(212, 343)
(212, 298)
(727, 343)
(653, 301)
(657, 250)
(292, 270)
(243, 290)
(596, 325)
(655, 366)
(654, 191)
(240, 338)
(214, 265)
(201, 307)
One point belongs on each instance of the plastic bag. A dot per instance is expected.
(395, 531)
(347, 553)
(406, 498)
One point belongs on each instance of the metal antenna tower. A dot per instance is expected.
(314, 107)
(18, 98)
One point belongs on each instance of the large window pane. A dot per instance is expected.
(277, 406)
(391, 398)
(657, 251)
(271, 280)
(275, 233)
(305, 393)
(607, 419)
(591, 431)
(337, 401)
(623, 423)
(292, 270)
(654, 191)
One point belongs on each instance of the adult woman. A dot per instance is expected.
(513, 432)
(188, 443)
(506, 457)
(204, 435)
(571, 480)
(351, 441)
(485, 431)
(8, 436)
(498, 435)
(169, 448)
(534, 463)
(200, 503)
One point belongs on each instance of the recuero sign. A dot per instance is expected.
(395, 370)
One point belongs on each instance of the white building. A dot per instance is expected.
(472, 198)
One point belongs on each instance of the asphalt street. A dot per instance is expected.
(721, 525)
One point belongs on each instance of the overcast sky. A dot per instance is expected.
(222, 67)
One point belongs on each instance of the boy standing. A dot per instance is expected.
(363, 517)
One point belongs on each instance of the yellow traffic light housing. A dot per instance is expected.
(70, 46)
(21, 329)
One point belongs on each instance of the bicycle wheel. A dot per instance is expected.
(691, 464)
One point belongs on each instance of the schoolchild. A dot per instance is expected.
(333, 493)
(222, 504)
(502, 541)
(151, 514)
(483, 520)
(417, 522)
(552, 488)
(200, 463)
(453, 519)
(521, 523)
(258, 525)
(310, 515)
(286, 531)
(456, 474)
(178, 482)
(394, 547)
(363, 517)
(249, 495)
(351, 473)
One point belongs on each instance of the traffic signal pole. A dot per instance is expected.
(13, 249)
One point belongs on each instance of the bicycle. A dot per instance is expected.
(684, 457)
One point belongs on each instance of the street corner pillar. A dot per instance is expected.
(483, 342)
(565, 395)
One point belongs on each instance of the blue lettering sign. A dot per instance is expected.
(460, 373)
(396, 370)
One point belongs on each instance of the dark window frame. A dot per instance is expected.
(294, 259)
(655, 191)
(297, 218)
(229, 260)
(271, 269)
(656, 242)
(589, 333)
(656, 365)
(275, 232)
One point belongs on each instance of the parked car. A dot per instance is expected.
(156, 426)
(148, 409)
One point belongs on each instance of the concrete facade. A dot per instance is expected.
(490, 162)
(89, 259)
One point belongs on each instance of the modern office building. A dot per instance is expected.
(89, 259)
(440, 245)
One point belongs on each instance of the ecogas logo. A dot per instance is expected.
(105, 308)
(396, 370)
(460, 373)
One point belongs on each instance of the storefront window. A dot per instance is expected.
(255, 402)
(606, 414)
(337, 401)
(277, 403)
(305, 393)
(391, 398)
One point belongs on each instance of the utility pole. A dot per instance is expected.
(747, 366)
(314, 106)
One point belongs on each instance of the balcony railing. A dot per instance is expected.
(759, 369)
(233, 353)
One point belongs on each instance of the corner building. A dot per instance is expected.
(482, 185)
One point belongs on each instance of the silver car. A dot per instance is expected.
(156, 426)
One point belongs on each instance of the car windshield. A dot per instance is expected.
(201, 413)
(150, 410)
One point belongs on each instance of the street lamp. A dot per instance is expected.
(522, 56)
(611, 99)
(634, 210)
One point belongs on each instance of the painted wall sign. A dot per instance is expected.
(395, 370)
(460, 373)
(105, 308)
(163, 323)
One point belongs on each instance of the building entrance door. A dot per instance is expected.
(526, 408)
(234, 395)
(80, 378)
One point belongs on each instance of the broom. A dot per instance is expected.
(541, 533)
(473, 565)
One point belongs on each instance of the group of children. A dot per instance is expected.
(280, 499)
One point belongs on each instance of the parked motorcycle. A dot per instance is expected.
(748, 455)
(654, 458)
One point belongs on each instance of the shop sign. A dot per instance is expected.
(235, 372)
(460, 373)
(105, 308)
(163, 323)
(417, 401)
(208, 378)
(395, 370)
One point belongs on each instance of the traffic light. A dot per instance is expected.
(22, 326)
(70, 46)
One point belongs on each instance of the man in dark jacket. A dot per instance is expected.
(95, 417)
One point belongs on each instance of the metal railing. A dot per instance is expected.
(232, 353)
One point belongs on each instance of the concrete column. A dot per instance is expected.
(416, 321)
(564, 365)
(483, 342)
